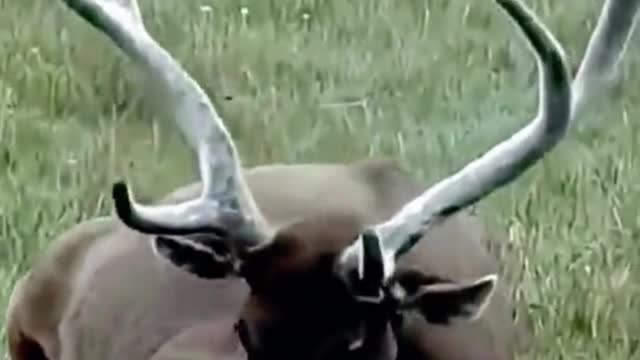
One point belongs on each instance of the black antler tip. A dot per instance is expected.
(373, 260)
(121, 200)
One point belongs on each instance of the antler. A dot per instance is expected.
(224, 191)
(499, 166)
(605, 50)
(559, 102)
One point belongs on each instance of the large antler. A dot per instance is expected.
(559, 102)
(224, 191)
(605, 50)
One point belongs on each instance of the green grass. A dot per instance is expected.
(432, 83)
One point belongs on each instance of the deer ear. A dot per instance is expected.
(191, 256)
(445, 302)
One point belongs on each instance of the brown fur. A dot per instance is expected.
(100, 293)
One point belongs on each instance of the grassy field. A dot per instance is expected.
(431, 83)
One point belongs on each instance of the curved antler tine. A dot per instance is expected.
(606, 48)
(365, 268)
(505, 161)
(187, 217)
(224, 188)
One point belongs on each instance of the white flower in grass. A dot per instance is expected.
(244, 12)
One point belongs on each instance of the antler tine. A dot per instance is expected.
(500, 165)
(606, 48)
(224, 189)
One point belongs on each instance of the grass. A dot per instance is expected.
(432, 83)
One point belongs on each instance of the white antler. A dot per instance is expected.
(606, 48)
(224, 191)
(505, 161)
(559, 103)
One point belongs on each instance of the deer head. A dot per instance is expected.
(329, 286)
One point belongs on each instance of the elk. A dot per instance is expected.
(359, 262)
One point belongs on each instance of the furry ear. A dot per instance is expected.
(206, 262)
(444, 302)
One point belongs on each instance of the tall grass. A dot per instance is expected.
(432, 83)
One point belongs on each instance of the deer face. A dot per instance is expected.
(299, 305)
(305, 302)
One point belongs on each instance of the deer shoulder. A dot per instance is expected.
(41, 295)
